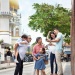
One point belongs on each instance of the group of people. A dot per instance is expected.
(55, 49)
(55, 40)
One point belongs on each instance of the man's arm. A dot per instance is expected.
(15, 47)
(55, 40)
(24, 42)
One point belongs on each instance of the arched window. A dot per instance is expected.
(17, 32)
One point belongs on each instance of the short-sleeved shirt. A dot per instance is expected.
(52, 48)
(36, 48)
(22, 48)
(60, 42)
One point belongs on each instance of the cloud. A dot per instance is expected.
(65, 3)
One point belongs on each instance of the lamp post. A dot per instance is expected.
(73, 38)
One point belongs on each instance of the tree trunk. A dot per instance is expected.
(73, 38)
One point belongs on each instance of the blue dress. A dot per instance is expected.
(40, 64)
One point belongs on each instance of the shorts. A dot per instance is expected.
(8, 58)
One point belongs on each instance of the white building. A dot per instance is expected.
(10, 26)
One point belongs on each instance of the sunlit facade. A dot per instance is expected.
(10, 25)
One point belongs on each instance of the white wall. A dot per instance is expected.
(4, 22)
(2, 55)
(5, 5)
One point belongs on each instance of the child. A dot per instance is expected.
(40, 64)
(20, 42)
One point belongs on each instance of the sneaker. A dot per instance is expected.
(16, 61)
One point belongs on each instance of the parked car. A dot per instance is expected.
(28, 58)
(66, 54)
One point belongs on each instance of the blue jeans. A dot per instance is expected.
(52, 59)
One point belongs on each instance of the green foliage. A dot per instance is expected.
(47, 17)
(34, 43)
(67, 40)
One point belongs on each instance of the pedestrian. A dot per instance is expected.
(58, 52)
(21, 46)
(40, 61)
(36, 49)
(22, 40)
(52, 47)
(0, 57)
(8, 56)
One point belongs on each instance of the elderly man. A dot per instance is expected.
(36, 48)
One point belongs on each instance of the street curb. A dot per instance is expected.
(14, 64)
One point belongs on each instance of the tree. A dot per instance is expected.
(47, 17)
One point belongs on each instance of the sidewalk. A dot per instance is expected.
(67, 68)
(5, 65)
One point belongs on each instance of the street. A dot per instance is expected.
(28, 69)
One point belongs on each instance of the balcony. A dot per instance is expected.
(14, 23)
(15, 20)
(6, 14)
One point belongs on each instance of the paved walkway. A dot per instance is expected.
(66, 67)
(5, 65)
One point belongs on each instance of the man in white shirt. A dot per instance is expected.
(21, 47)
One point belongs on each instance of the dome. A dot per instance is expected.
(14, 4)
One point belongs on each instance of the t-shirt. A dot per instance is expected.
(9, 53)
(60, 42)
(52, 48)
(36, 48)
(22, 48)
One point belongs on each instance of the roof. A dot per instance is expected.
(14, 4)
(3, 45)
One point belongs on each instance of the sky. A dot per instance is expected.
(27, 10)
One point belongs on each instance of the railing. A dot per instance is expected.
(6, 14)
(15, 20)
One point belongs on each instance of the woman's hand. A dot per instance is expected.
(49, 32)
(38, 58)
(48, 40)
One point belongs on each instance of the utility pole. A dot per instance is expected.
(73, 38)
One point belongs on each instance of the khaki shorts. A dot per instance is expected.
(8, 58)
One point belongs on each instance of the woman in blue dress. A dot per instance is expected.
(40, 62)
